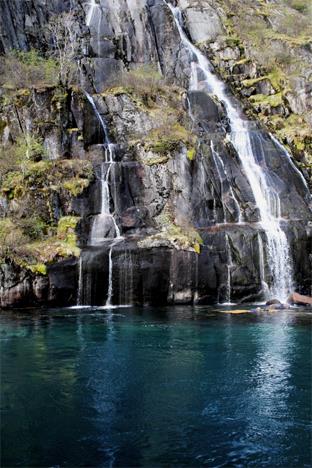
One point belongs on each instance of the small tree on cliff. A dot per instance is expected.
(63, 33)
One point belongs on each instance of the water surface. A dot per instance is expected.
(156, 387)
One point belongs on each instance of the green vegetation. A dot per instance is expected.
(165, 139)
(147, 88)
(161, 103)
(191, 153)
(32, 69)
(46, 177)
(274, 40)
(152, 161)
(29, 148)
(179, 235)
(273, 100)
(33, 235)
(11, 238)
(17, 158)
(36, 255)
(27, 69)
(144, 82)
(303, 6)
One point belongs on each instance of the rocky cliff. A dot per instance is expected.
(137, 190)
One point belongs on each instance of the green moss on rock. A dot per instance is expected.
(273, 100)
(183, 237)
(191, 153)
(163, 140)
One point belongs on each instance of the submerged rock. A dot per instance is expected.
(272, 302)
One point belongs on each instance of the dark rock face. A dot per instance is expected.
(22, 21)
(19, 288)
(210, 192)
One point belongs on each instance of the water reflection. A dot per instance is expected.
(185, 386)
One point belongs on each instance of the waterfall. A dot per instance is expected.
(264, 284)
(229, 268)
(104, 222)
(204, 78)
(110, 278)
(95, 12)
(219, 164)
(80, 283)
(100, 119)
(92, 6)
(104, 226)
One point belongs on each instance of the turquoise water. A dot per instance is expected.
(167, 387)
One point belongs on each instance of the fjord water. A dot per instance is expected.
(185, 386)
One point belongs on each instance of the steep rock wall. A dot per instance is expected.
(178, 215)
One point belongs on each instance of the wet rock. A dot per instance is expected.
(272, 302)
(21, 288)
(276, 307)
(299, 299)
(207, 111)
(133, 217)
(264, 87)
(63, 281)
(203, 23)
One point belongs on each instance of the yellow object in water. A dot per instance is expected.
(241, 311)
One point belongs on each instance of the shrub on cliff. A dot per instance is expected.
(26, 69)
(27, 148)
(11, 238)
(63, 46)
(21, 69)
(145, 81)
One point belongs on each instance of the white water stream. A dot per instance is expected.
(229, 271)
(266, 198)
(219, 164)
(104, 223)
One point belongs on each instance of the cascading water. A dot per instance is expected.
(80, 284)
(105, 220)
(203, 78)
(220, 167)
(104, 226)
(229, 269)
(261, 264)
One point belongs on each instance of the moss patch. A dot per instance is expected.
(37, 255)
(163, 140)
(273, 100)
(170, 233)
(152, 161)
(191, 153)
(48, 176)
